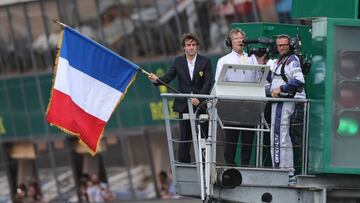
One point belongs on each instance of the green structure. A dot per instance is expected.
(333, 87)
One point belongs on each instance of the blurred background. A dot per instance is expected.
(40, 162)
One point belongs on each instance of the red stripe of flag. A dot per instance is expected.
(63, 112)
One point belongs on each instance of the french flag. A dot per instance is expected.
(90, 81)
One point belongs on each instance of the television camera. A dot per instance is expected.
(264, 45)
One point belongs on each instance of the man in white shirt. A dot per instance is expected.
(237, 56)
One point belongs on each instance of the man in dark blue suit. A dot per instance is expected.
(194, 76)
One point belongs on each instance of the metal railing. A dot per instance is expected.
(210, 143)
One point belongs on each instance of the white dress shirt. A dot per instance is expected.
(232, 75)
(191, 66)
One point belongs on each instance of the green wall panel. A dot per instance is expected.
(325, 8)
(37, 122)
(18, 106)
(31, 95)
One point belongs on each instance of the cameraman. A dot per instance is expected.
(287, 81)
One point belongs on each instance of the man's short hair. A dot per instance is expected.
(237, 30)
(187, 37)
(283, 36)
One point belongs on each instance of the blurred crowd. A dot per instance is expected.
(134, 29)
(94, 190)
(28, 193)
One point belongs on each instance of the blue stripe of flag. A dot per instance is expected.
(96, 61)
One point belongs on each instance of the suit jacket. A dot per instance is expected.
(201, 82)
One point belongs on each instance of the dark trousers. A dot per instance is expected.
(231, 139)
(186, 138)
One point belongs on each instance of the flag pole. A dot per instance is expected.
(160, 81)
(55, 20)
